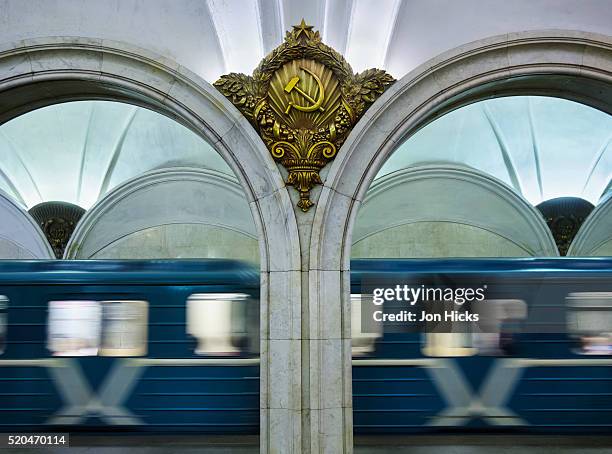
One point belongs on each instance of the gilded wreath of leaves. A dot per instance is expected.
(359, 91)
(289, 146)
(239, 89)
(367, 87)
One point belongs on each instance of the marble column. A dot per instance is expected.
(306, 393)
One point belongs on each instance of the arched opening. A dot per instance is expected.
(476, 182)
(537, 148)
(554, 64)
(150, 189)
(79, 153)
(54, 74)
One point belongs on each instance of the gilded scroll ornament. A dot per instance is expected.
(303, 99)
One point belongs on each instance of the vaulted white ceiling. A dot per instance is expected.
(76, 152)
(542, 147)
(213, 37)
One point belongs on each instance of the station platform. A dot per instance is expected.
(417, 444)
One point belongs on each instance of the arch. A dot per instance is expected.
(470, 202)
(595, 234)
(567, 64)
(20, 236)
(43, 71)
(136, 215)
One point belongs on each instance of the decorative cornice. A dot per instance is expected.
(303, 99)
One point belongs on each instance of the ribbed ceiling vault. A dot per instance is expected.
(77, 152)
(213, 37)
(542, 147)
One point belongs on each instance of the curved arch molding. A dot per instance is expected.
(568, 64)
(150, 216)
(43, 71)
(20, 236)
(595, 236)
(479, 206)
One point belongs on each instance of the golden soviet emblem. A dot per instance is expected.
(303, 99)
(316, 104)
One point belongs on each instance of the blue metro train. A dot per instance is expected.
(548, 367)
(172, 346)
(97, 344)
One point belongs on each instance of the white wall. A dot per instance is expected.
(182, 241)
(20, 236)
(447, 211)
(436, 239)
(169, 213)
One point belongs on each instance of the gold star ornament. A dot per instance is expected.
(302, 29)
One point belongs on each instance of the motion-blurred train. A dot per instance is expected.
(172, 346)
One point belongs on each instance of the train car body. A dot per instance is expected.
(154, 383)
(171, 346)
(540, 377)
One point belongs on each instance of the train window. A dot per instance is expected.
(3, 322)
(124, 328)
(74, 328)
(493, 336)
(218, 322)
(449, 344)
(362, 343)
(590, 321)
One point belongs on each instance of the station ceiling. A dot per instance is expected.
(77, 152)
(542, 147)
(214, 37)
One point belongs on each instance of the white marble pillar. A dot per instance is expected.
(281, 409)
(306, 395)
(325, 344)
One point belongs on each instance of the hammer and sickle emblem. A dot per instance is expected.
(316, 103)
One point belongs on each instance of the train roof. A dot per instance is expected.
(224, 271)
(183, 271)
(568, 265)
